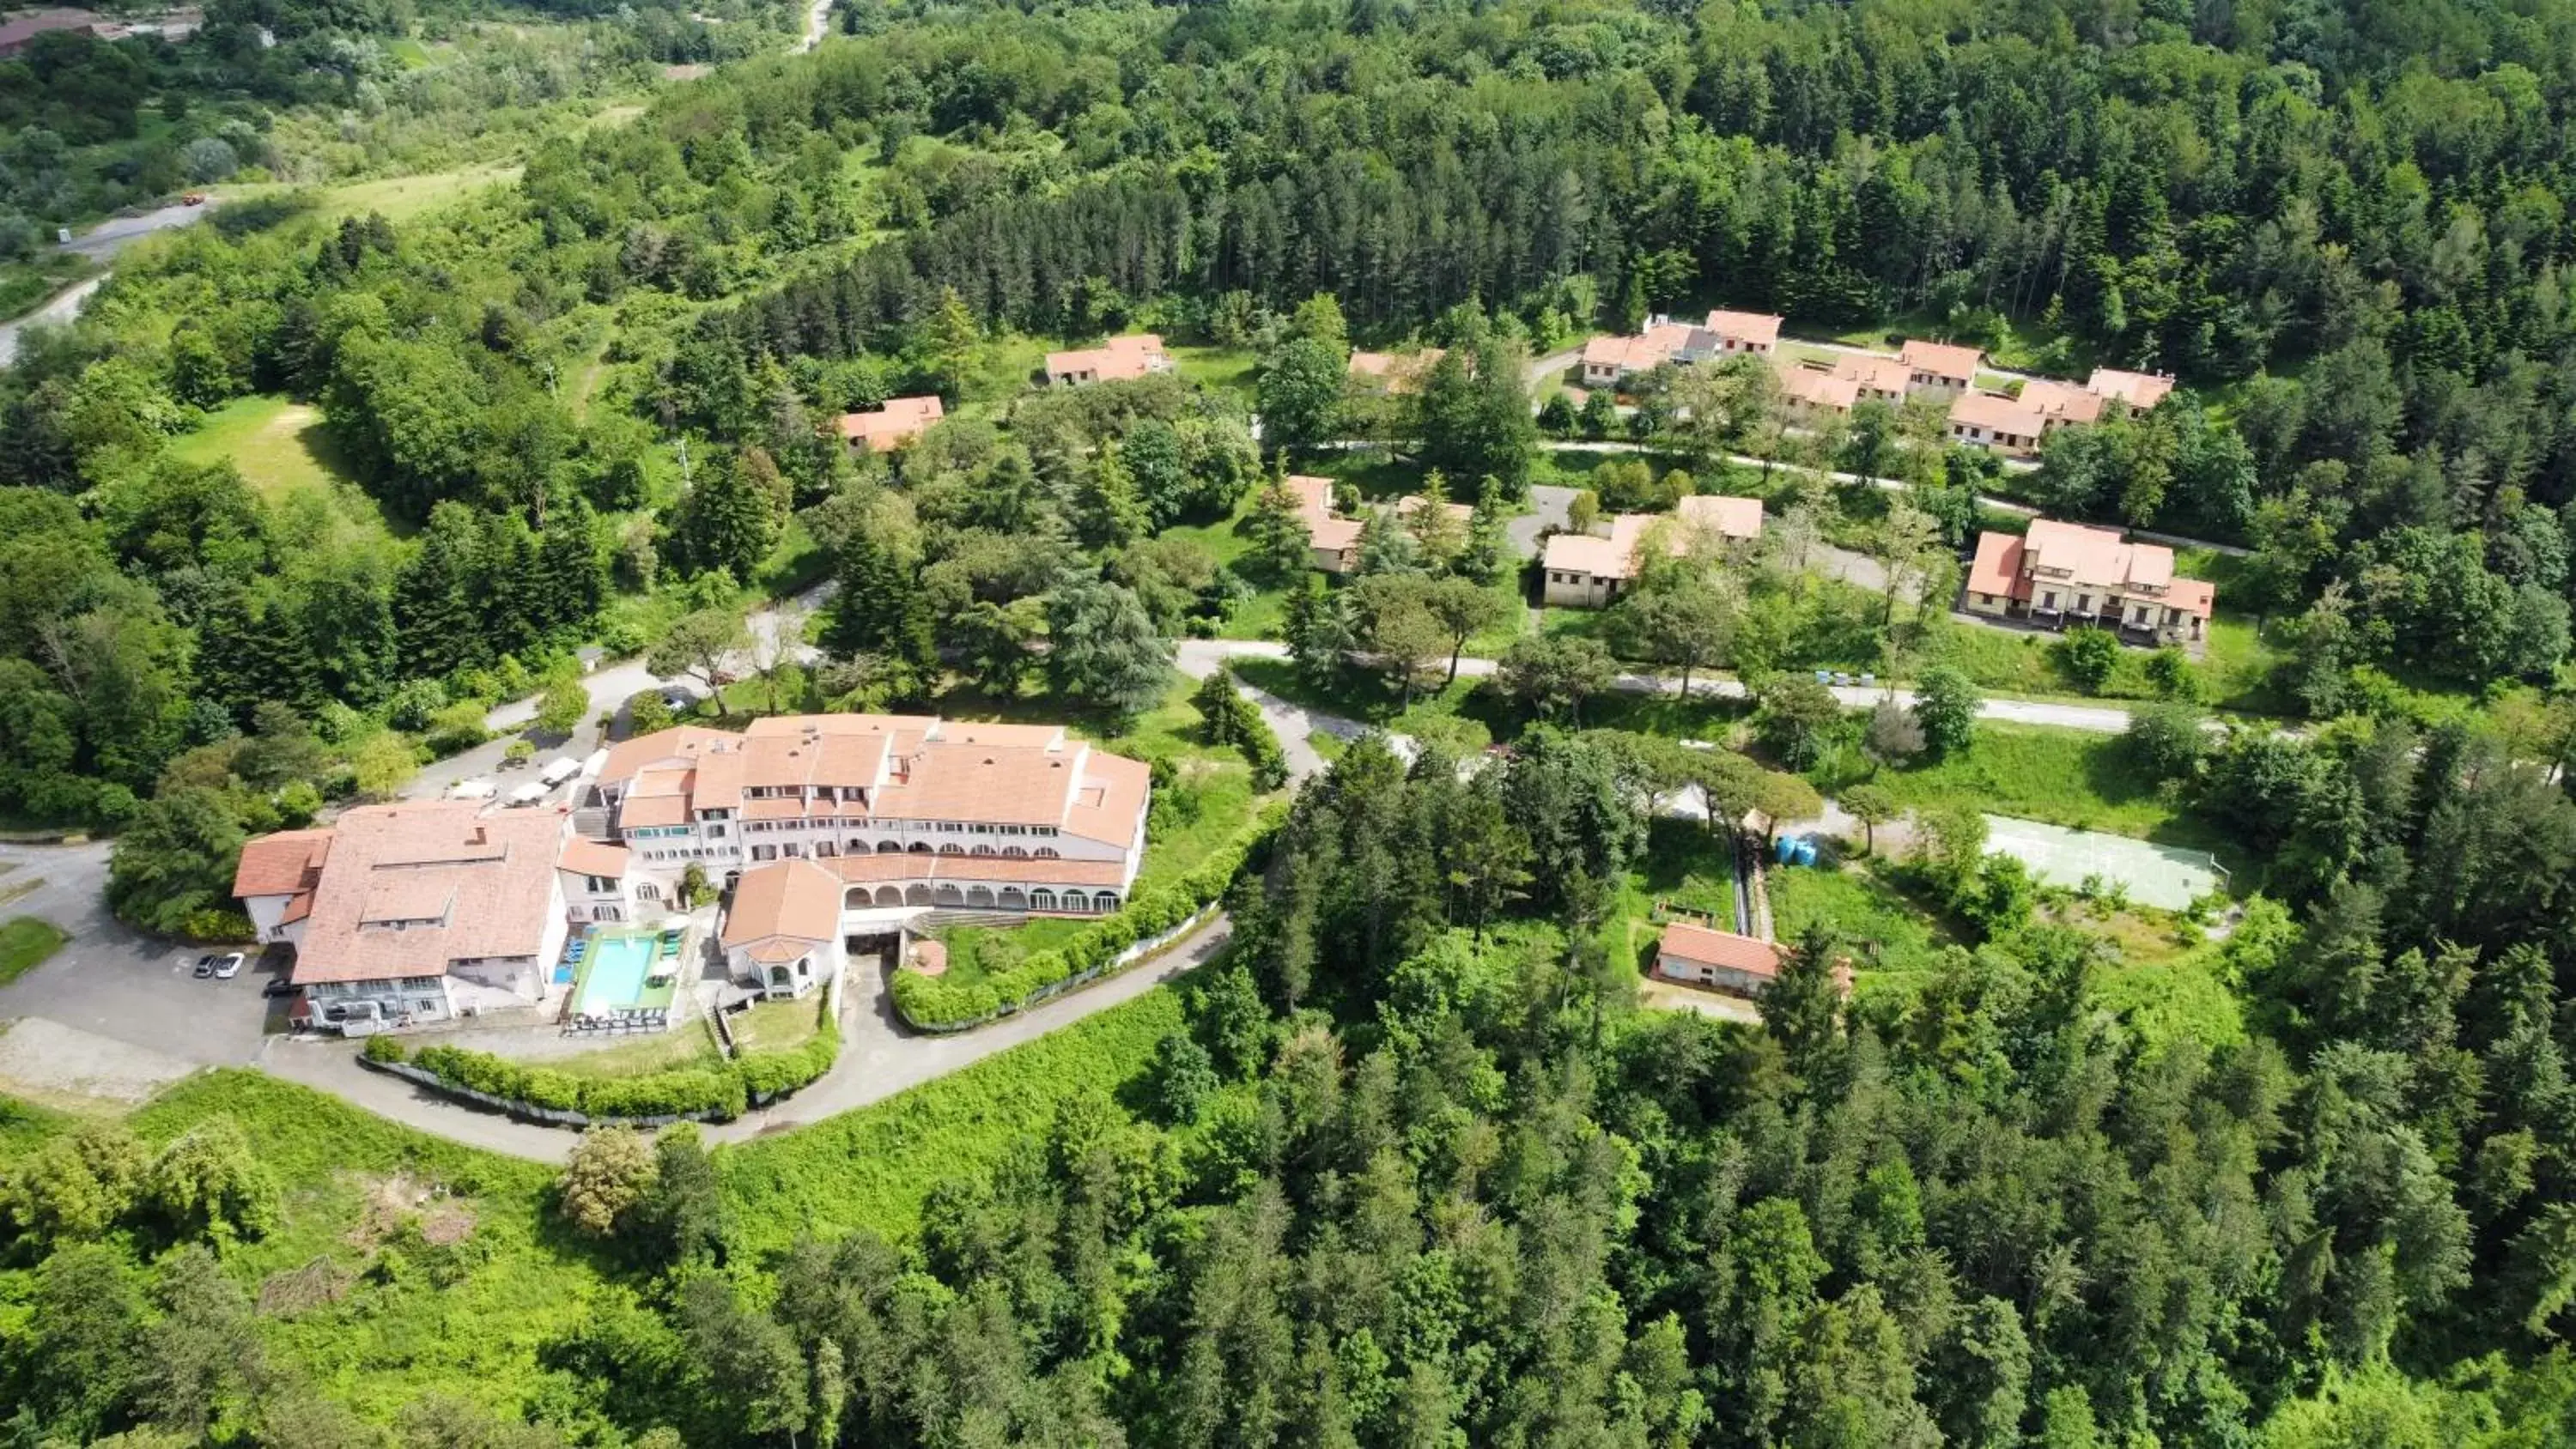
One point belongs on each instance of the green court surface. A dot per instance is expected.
(2164, 876)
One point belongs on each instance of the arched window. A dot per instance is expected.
(950, 895)
(980, 896)
(919, 847)
(917, 896)
(981, 849)
(1046, 852)
(1013, 899)
(1104, 901)
(1015, 852)
(888, 847)
(950, 847)
(889, 896)
(1041, 899)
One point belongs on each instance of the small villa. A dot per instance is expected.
(1586, 571)
(782, 934)
(898, 422)
(1120, 359)
(1990, 420)
(1939, 368)
(1722, 960)
(2070, 573)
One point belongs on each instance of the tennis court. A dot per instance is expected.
(2164, 876)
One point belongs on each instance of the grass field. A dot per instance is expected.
(398, 198)
(279, 445)
(685, 1046)
(1224, 368)
(2063, 777)
(25, 285)
(25, 942)
(1893, 935)
(776, 1025)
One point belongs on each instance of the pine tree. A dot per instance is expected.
(573, 569)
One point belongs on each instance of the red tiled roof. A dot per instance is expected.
(463, 885)
(1819, 389)
(1998, 565)
(593, 857)
(281, 864)
(1874, 372)
(2192, 596)
(1996, 414)
(2062, 400)
(1760, 328)
(2137, 389)
(901, 420)
(795, 898)
(1120, 359)
(1109, 805)
(1728, 517)
(1701, 946)
(1942, 359)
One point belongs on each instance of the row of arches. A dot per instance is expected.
(985, 898)
(1007, 852)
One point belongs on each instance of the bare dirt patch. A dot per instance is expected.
(317, 1284)
(46, 1061)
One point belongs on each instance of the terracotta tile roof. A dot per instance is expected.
(593, 857)
(897, 869)
(901, 420)
(652, 810)
(678, 745)
(1702, 946)
(1581, 553)
(281, 864)
(465, 886)
(1997, 569)
(2062, 401)
(1727, 517)
(1110, 803)
(1942, 359)
(1757, 328)
(1996, 414)
(1874, 372)
(794, 898)
(1818, 389)
(1120, 359)
(983, 784)
(2137, 389)
(1655, 345)
(2192, 596)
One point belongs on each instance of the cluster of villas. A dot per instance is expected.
(1588, 571)
(2012, 420)
(823, 827)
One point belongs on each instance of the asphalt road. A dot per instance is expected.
(99, 243)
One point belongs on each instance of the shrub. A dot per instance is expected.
(217, 926)
(929, 1002)
(2089, 655)
(610, 1172)
(381, 1048)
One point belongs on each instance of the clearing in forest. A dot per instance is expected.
(2164, 876)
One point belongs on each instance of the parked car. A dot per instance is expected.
(229, 966)
(205, 967)
(280, 986)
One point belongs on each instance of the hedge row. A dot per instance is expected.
(717, 1093)
(930, 1003)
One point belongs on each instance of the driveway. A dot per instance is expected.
(116, 982)
(1548, 512)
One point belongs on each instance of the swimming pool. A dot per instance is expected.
(613, 978)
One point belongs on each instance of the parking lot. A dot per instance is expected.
(113, 982)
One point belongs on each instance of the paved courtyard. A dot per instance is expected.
(2165, 876)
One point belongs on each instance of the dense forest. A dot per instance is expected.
(1415, 1171)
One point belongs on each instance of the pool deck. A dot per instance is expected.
(649, 997)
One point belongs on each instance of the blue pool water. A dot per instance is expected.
(616, 979)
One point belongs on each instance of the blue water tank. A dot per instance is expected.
(1806, 852)
(1785, 849)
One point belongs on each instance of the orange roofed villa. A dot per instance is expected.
(1120, 359)
(2069, 573)
(1585, 571)
(904, 810)
(901, 420)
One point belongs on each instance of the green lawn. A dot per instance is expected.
(776, 1025)
(1892, 935)
(398, 198)
(25, 942)
(1222, 368)
(278, 444)
(2064, 777)
(684, 1047)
